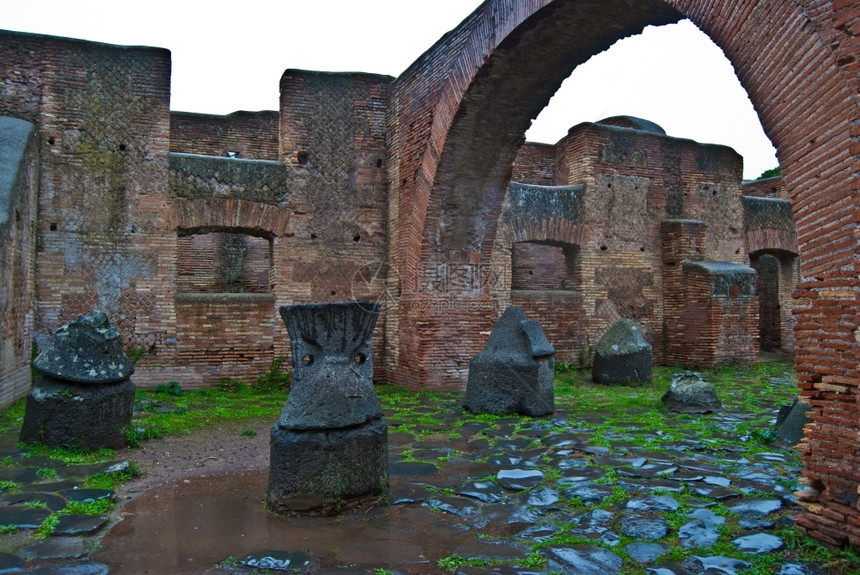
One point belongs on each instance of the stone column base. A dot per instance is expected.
(88, 415)
(324, 472)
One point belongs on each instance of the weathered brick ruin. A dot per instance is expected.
(640, 225)
(189, 230)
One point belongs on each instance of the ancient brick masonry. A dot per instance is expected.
(771, 241)
(251, 135)
(792, 58)
(102, 114)
(640, 205)
(410, 176)
(333, 141)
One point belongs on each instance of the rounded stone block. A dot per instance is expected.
(65, 414)
(622, 355)
(690, 393)
(323, 472)
(87, 350)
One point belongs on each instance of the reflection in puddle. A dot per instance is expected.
(191, 526)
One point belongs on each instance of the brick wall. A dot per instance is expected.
(535, 164)
(628, 181)
(333, 142)
(766, 188)
(223, 337)
(102, 114)
(225, 215)
(642, 177)
(545, 282)
(562, 316)
(441, 140)
(250, 135)
(771, 241)
(226, 311)
(681, 240)
(19, 179)
(539, 267)
(219, 262)
(537, 263)
(711, 314)
(719, 315)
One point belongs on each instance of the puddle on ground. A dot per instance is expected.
(188, 527)
(456, 505)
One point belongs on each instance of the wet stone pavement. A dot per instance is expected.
(492, 492)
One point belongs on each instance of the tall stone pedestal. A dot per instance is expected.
(329, 447)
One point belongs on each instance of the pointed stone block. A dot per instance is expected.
(514, 372)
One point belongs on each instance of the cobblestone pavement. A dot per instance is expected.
(528, 495)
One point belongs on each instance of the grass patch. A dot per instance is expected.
(97, 507)
(159, 414)
(46, 473)
(47, 527)
(69, 456)
(109, 481)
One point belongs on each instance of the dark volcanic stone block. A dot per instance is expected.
(87, 350)
(790, 422)
(332, 365)
(514, 372)
(622, 355)
(61, 413)
(323, 472)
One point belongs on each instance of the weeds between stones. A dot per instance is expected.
(623, 419)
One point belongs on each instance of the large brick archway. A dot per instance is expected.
(458, 115)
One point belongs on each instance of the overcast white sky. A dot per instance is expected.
(229, 56)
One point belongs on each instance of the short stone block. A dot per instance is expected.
(622, 355)
(690, 393)
(65, 414)
(323, 472)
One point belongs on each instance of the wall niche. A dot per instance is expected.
(223, 262)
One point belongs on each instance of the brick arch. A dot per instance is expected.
(458, 114)
(253, 218)
(505, 62)
(771, 240)
(553, 230)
